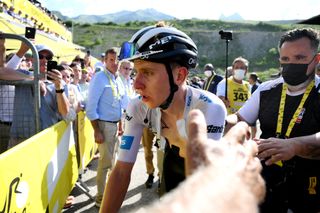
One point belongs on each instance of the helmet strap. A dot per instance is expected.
(173, 88)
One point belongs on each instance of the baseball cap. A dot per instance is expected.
(41, 47)
(28, 55)
(103, 54)
(208, 67)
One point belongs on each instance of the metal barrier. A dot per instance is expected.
(33, 84)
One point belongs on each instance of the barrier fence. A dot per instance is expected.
(39, 174)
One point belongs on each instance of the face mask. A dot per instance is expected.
(294, 74)
(208, 73)
(239, 74)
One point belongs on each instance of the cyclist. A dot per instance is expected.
(162, 58)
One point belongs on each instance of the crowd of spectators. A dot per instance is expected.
(70, 80)
(29, 21)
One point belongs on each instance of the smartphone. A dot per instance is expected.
(30, 32)
(50, 66)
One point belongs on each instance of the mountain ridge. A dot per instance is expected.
(149, 15)
(120, 17)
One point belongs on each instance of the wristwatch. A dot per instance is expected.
(59, 90)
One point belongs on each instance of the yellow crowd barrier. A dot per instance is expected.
(87, 145)
(39, 174)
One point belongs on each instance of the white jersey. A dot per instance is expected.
(138, 116)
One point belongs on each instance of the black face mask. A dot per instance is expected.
(295, 74)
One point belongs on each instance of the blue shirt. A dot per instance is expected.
(105, 98)
(49, 114)
(23, 123)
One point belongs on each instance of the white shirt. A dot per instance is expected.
(138, 116)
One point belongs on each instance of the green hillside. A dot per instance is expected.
(256, 41)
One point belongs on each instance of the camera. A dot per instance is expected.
(227, 35)
(50, 66)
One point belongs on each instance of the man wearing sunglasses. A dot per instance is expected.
(54, 102)
(162, 58)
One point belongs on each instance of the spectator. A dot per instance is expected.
(6, 105)
(195, 82)
(87, 63)
(254, 81)
(238, 89)
(29, 59)
(213, 79)
(72, 91)
(99, 65)
(84, 85)
(77, 75)
(104, 110)
(147, 142)
(125, 70)
(54, 103)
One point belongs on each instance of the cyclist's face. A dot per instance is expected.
(151, 82)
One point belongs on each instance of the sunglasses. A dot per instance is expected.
(49, 58)
(127, 68)
(129, 51)
(67, 76)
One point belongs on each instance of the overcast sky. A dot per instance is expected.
(202, 9)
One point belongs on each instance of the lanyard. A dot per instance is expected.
(114, 88)
(297, 112)
(295, 115)
(208, 83)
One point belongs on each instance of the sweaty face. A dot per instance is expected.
(151, 82)
(298, 52)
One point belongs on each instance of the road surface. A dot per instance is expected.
(137, 195)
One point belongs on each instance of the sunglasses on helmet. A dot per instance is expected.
(128, 51)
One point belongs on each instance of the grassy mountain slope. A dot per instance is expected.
(257, 42)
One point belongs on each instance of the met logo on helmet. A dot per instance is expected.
(162, 41)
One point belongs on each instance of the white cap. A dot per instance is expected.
(41, 47)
